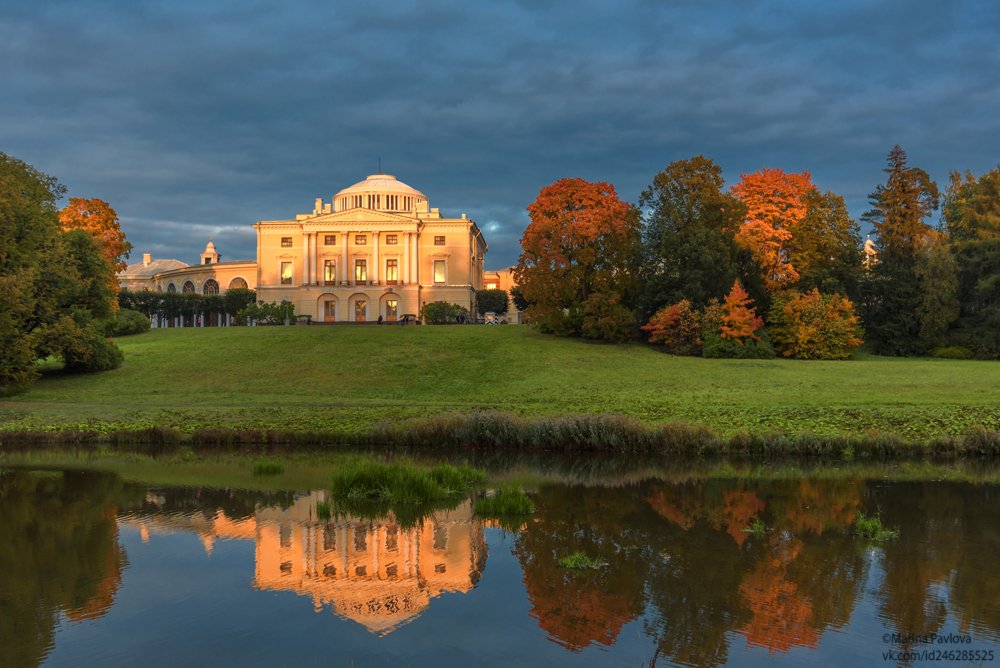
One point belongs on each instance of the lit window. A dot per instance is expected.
(286, 242)
(391, 240)
(360, 239)
(391, 271)
(361, 271)
(439, 275)
(361, 310)
(330, 240)
(329, 272)
(439, 241)
(286, 273)
(211, 287)
(391, 309)
(491, 286)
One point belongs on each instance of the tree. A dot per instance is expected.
(776, 204)
(739, 318)
(491, 300)
(939, 306)
(689, 246)
(897, 215)
(578, 258)
(971, 208)
(730, 328)
(826, 247)
(677, 327)
(814, 326)
(97, 218)
(443, 313)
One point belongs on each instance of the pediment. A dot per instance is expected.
(360, 216)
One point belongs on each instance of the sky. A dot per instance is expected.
(197, 118)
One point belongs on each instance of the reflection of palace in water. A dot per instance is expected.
(374, 572)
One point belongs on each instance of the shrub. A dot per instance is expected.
(441, 313)
(717, 347)
(264, 313)
(814, 326)
(127, 322)
(952, 353)
(739, 320)
(268, 468)
(606, 319)
(677, 327)
(491, 300)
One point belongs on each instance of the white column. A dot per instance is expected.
(405, 276)
(415, 259)
(375, 272)
(305, 258)
(343, 258)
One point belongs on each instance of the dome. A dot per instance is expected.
(379, 191)
(210, 246)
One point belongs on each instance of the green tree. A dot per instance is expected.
(826, 247)
(939, 306)
(491, 300)
(971, 209)
(443, 313)
(899, 208)
(689, 246)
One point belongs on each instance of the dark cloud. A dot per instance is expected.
(196, 119)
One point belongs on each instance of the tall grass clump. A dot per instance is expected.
(871, 528)
(400, 482)
(324, 510)
(266, 468)
(579, 561)
(504, 503)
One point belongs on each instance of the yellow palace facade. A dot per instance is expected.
(375, 250)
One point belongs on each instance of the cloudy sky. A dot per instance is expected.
(196, 118)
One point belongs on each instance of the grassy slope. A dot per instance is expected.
(336, 378)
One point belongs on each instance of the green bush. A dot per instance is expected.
(92, 351)
(491, 300)
(442, 313)
(952, 353)
(505, 503)
(716, 346)
(126, 322)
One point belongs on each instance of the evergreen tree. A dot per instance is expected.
(939, 305)
(689, 245)
(826, 247)
(899, 208)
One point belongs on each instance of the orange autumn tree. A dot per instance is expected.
(731, 329)
(578, 259)
(814, 326)
(99, 220)
(776, 204)
(677, 327)
(740, 321)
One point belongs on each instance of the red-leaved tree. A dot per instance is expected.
(740, 321)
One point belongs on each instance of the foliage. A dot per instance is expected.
(814, 326)
(871, 528)
(100, 221)
(715, 346)
(678, 327)
(401, 482)
(517, 296)
(939, 305)
(952, 353)
(897, 215)
(491, 300)
(978, 325)
(268, 468)
(826, 247)
(577, 265)
(443, 313)
(126, 322)
(261, 313)
(739, 320)
(776, 206)
(689, 246)
(504, 503)
(971, 209)
(578, 560)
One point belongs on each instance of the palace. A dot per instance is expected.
(375, 250)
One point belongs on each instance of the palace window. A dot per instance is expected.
(361, 271)
(285, 534)
(188, 288)
(329, 272)
(361, 310)
(329, 571)
(439, 271)
(391, 310)
(211, 287)
(491, 286)
(171, 287)
(391, 240)
(391, 271)
(360, 240)
(330, 240)
(286, 242)
(237, 284)
(439, 241)
(286, 273)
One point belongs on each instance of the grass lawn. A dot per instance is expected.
(352, 378)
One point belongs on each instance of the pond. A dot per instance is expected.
(691, 569)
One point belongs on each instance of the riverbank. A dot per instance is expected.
(499, 387)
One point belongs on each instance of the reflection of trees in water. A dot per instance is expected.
(59, 552)
(236, 504)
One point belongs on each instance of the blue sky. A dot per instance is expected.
(196, 119)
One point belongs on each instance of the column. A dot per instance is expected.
(415, 259)
(305, 258)
(343, 259)
(405, 276)
(375, 271)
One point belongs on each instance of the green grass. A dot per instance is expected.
(505, 503)
(351, 379)
(871, 528)
(368, 480)
(266, 468)
(580, 561)
(757, 528)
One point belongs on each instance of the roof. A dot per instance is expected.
(381, 183)
(141, 270)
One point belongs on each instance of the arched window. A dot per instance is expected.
(188, 288)
(237, 284)
(211, 287)
(171, 287)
